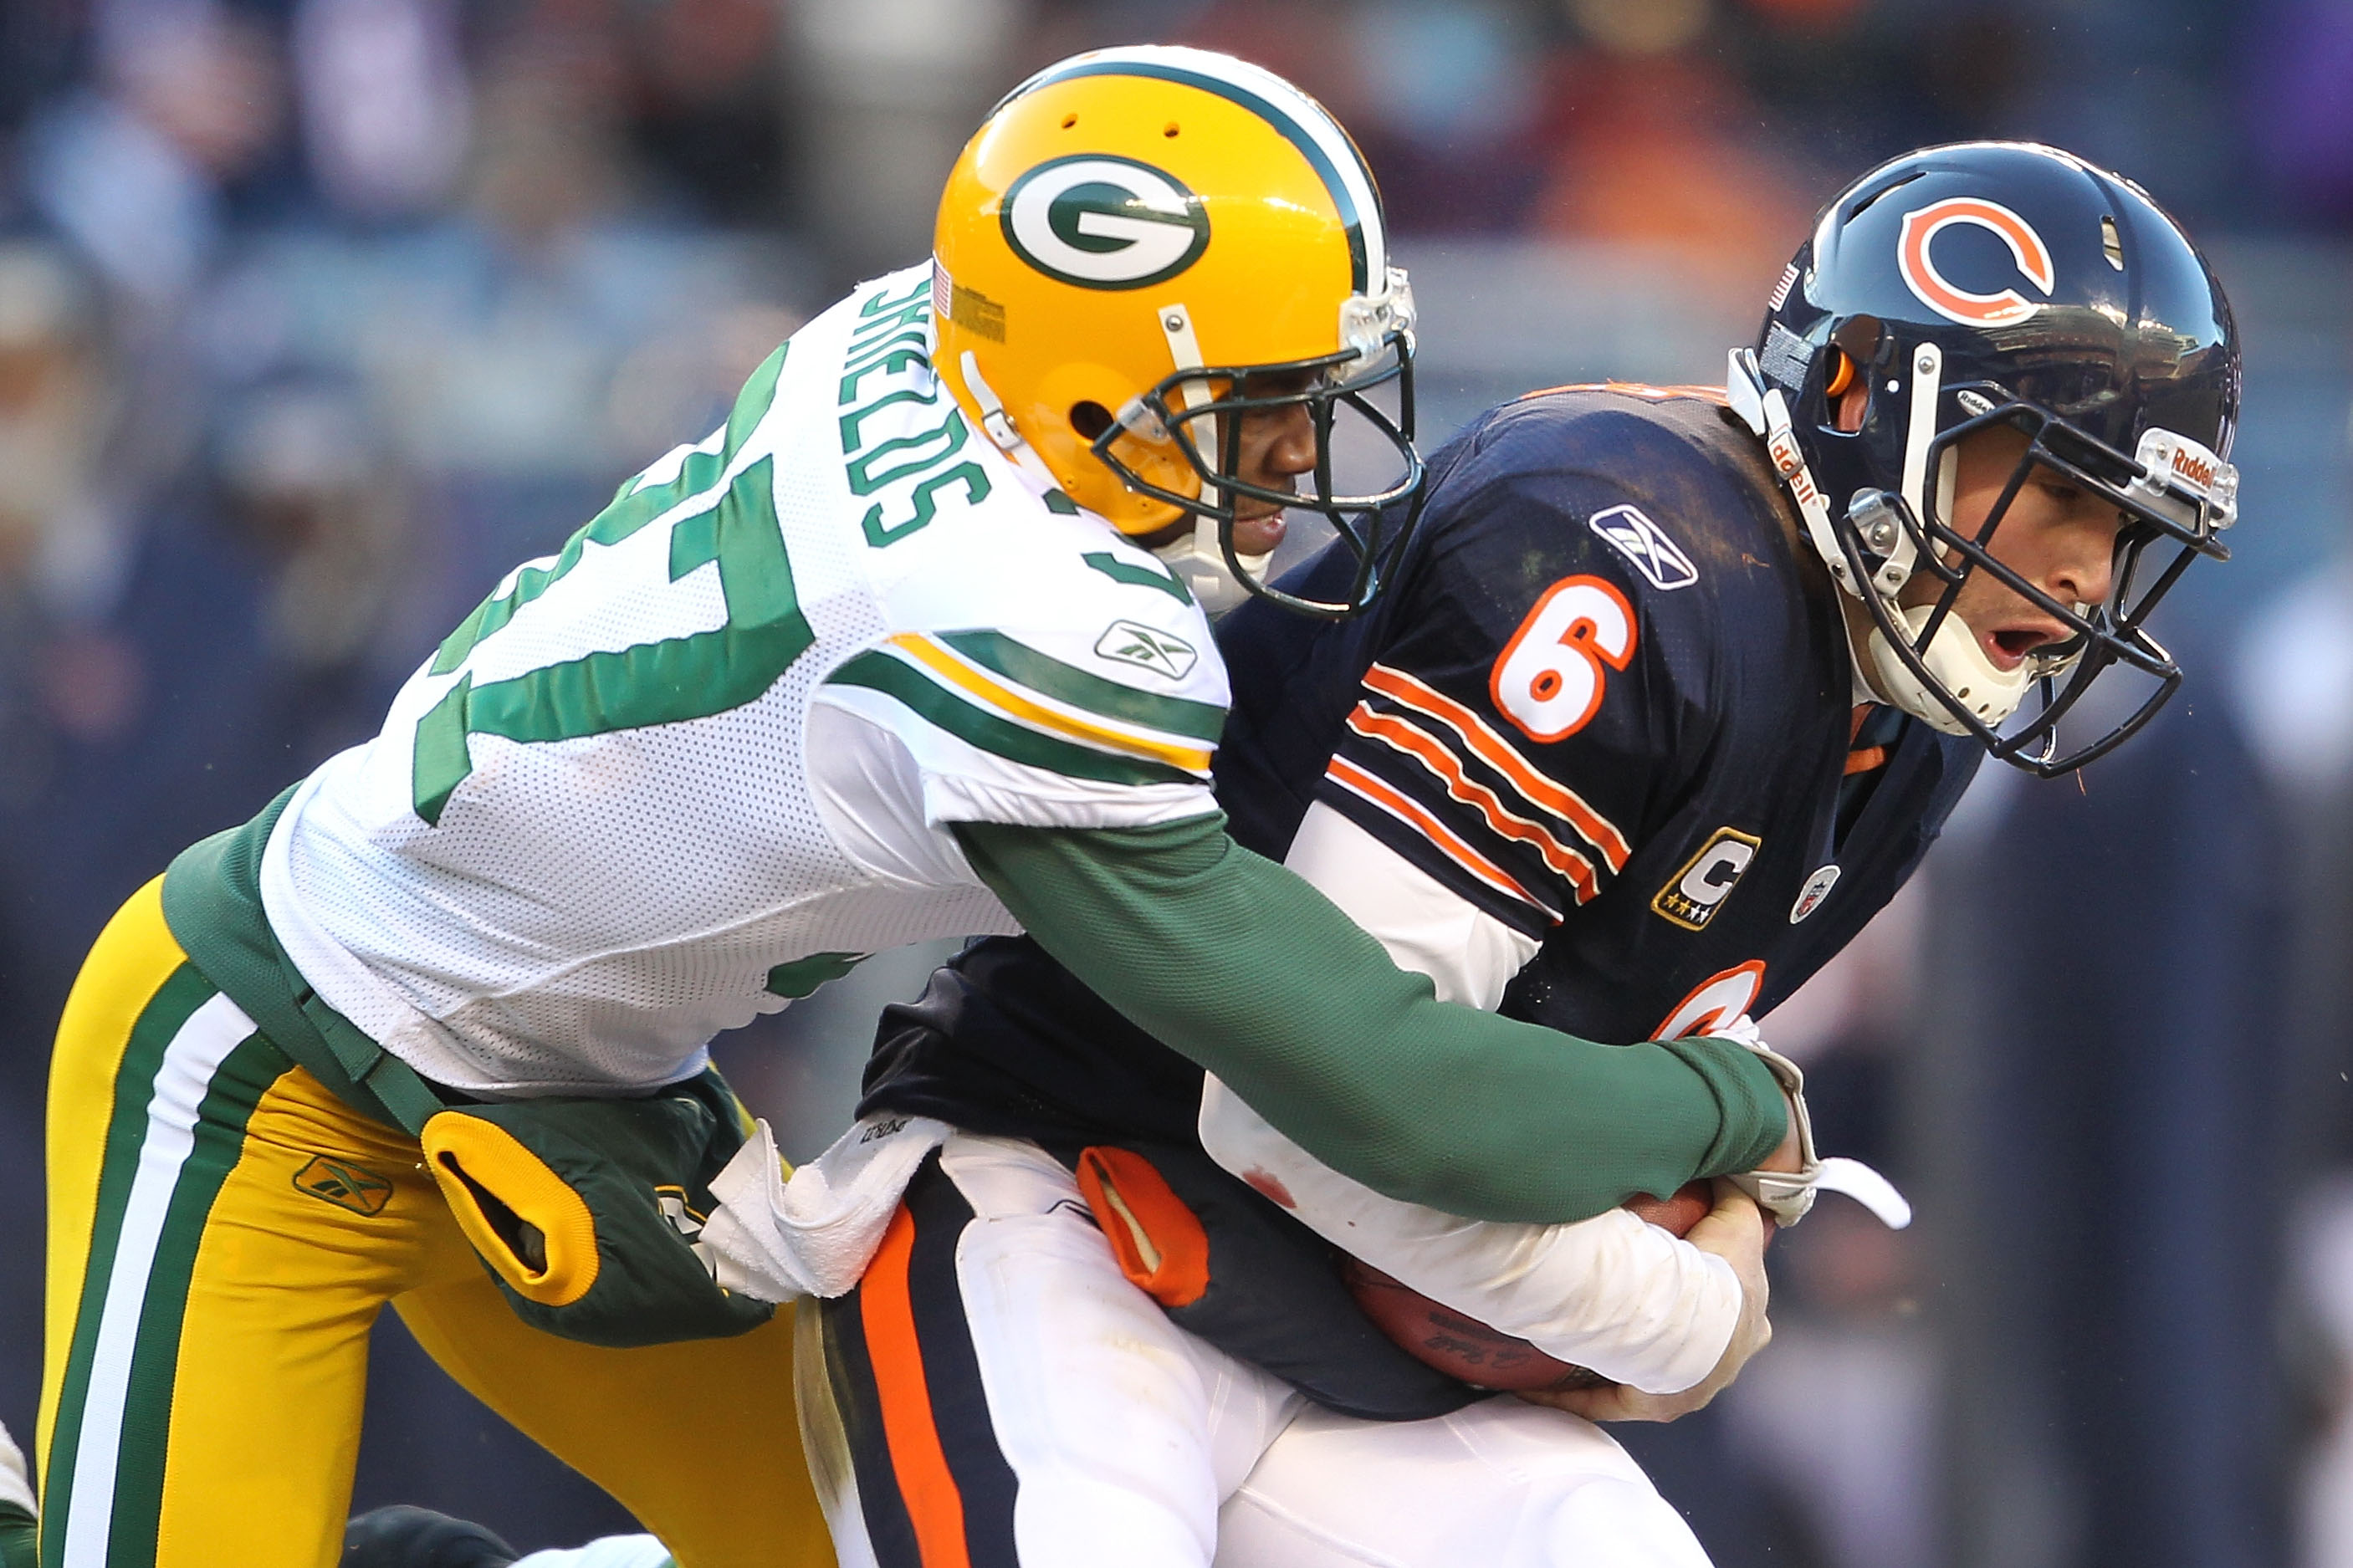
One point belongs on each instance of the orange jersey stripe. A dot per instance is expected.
(935, 1504)
(1425, 750)
(1863, 760)
(1349, 777)
(1498, 754)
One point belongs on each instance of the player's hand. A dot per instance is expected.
(1734, 1230)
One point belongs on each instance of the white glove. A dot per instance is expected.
(1789, 1195)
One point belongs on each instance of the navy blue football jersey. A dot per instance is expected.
(1606, 699)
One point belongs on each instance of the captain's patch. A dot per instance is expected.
(1706, 879)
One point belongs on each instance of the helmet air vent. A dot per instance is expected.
(2112, 244)
(1869, 197)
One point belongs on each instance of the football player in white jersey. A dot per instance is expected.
(882, 660)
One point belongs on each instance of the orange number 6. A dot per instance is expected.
(1549, 680)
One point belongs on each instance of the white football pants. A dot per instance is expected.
(996, 1393)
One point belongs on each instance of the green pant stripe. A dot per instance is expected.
(228, 1105)
(126, 1134)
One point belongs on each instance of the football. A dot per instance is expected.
(1465, 1348)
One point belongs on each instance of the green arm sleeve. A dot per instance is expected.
(1244, 968)
(19, 1538)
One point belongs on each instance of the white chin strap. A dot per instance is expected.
(1955, 657)
(1201, 566)
(1194, 557)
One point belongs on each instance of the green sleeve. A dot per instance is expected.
(1244, 968)
(19, 1538)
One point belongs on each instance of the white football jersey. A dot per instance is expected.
(702, 758)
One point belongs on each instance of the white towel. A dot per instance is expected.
(774, 1239)
(16, 1484)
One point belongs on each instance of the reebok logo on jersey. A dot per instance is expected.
(1644, 543)
(1707, 878)
(344, 1184)
(1127, 643)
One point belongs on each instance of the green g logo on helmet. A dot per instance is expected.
(1103, 222)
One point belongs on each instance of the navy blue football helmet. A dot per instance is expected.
(2000, 283)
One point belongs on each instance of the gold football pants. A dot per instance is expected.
(222, 1231)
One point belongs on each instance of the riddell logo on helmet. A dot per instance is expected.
(2005, 307)
(2194, 472)
(1103, 222)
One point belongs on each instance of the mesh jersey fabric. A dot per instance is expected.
(681, 772)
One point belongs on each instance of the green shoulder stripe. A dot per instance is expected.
(1067, 683)
(751, 403)
(879, 672)
(1119, 570)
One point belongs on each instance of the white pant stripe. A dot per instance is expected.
(195, 1053)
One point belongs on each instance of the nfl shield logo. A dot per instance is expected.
(1809, 897)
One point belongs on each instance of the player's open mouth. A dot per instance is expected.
(2009, 646)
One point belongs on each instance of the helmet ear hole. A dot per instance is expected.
(1845, 390)
(1089, 419)
(1840, 375)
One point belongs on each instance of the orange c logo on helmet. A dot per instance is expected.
(1921, 228)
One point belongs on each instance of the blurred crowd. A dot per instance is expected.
(316, 315)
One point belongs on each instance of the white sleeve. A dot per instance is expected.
(607, 1551)
(1042, 672)
(1427, 927)
(1611, 1293)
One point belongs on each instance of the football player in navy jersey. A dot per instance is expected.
(1671, 691)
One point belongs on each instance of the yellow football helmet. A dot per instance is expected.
(1140, 245)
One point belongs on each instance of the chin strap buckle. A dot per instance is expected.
(993, 417)
(999, 427)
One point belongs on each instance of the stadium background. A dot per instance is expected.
(315, 315)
